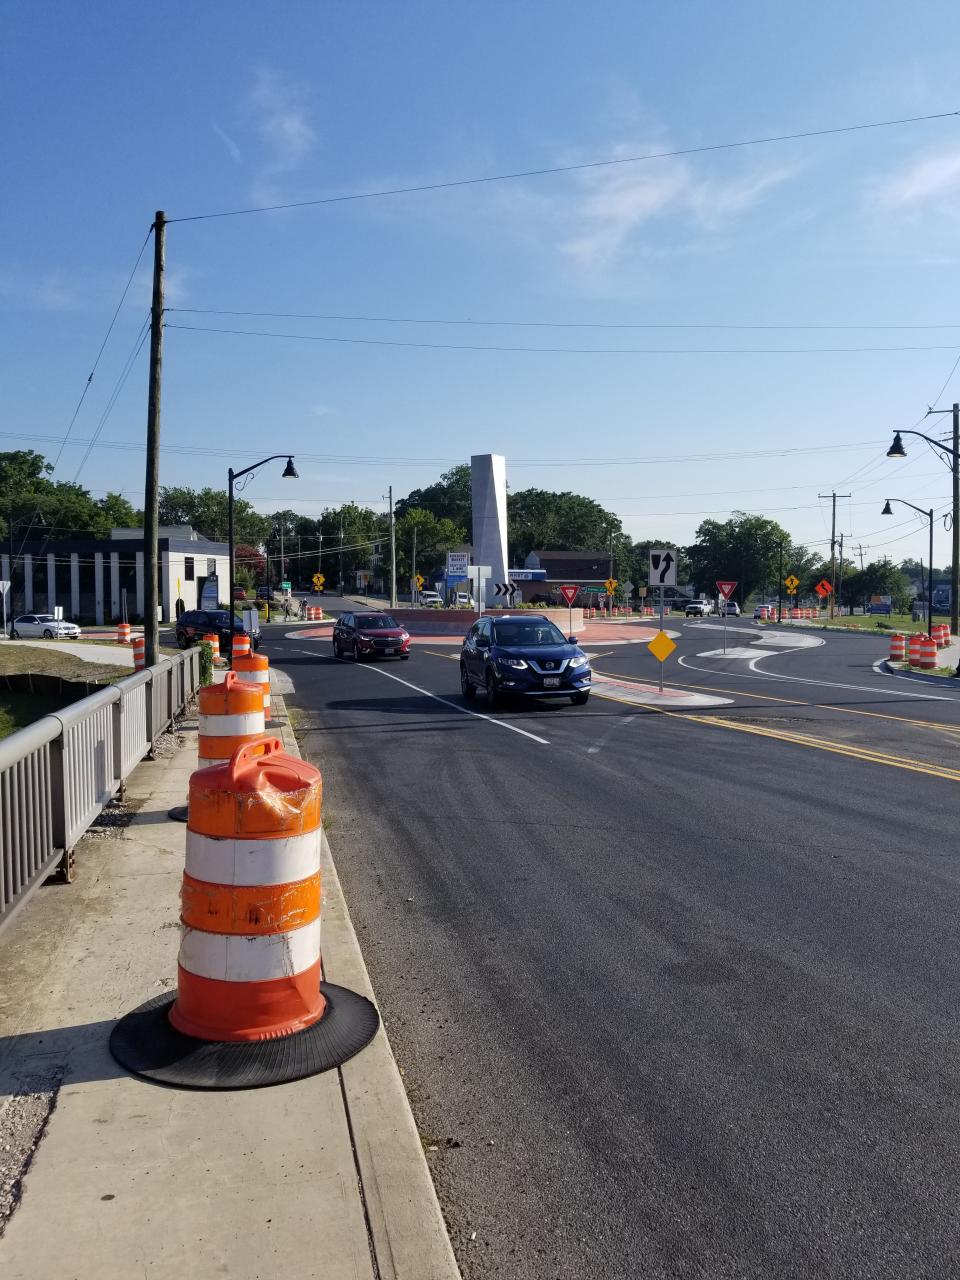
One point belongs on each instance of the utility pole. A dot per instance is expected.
(393, 553)
(341, 551)
(780, 586)
(151, 495)
(955, 531)
(840, 583)
(860, 554)
(320, 552)
(413, 570)
(610, 599)
(833, 545)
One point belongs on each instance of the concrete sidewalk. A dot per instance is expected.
(116, 1177)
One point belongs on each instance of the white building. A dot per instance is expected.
(87, 578)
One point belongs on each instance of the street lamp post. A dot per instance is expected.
(897, 450)
(929, 514)
(289, 473)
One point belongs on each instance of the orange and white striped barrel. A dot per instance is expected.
(213, 640)
(941, 634)
(928, 654)
(139, 653)
(913, 649)
(255, 670)
(314, 614)
(898, 647)
(241, 645)
(123, 633)
(249, 963)
(231, 716)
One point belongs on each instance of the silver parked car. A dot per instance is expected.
(44, 626)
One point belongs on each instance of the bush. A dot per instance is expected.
(206, 663)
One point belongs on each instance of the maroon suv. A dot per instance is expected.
(369, 635)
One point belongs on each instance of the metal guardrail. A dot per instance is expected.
(56, 775)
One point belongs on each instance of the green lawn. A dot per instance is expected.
(879, 622)
(19, 707)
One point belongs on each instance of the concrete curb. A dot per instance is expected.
(916, 675)
(408, 1235)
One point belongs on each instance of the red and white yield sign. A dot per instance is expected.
(726, 589)
(570, 594)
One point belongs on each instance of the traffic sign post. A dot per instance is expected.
(661, 646)
(663, 567)
(791, 584)
(570, 594)
(726, 588)
(478, 574)
(318, 581)
(611, 586)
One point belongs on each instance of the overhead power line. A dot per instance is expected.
(552, 461)
(558, 324)
(569, 168)
(565, 351)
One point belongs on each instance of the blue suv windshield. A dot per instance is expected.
(519, 633)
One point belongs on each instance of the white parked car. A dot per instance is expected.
(431, 600)
(464, 601)
(44, 626)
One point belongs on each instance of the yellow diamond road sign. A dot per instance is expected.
(611, 585)
(661, 646)
(792, 583)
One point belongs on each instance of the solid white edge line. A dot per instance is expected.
(823, 684)
(478, 715)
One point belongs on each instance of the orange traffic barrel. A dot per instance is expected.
(928, 654)
(941, 634)
(250, 1007)
(256, 670)
(139, 653)
(898, 647)
(913, 649)
(241, 645)
(213, 640)
(123, 633)
(231, 716)
(249, 964)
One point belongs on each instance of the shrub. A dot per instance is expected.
(206, 663)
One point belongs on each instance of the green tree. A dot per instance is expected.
(436, 535)
(350, 534)
(206, 511)
(883, 578)
(745, 548)
(450, 497)
(538, 519)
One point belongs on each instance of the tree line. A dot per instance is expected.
(435, 519)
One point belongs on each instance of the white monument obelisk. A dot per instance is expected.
(488, 482)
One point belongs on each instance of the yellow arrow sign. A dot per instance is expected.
(661, 646)
(420, 581)
(611, 585)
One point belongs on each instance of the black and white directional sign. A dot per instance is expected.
(663, 567)
(506, 589)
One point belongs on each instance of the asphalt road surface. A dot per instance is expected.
(674, 992)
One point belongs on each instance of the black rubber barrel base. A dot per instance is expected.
(146, 1043)
(178, 814)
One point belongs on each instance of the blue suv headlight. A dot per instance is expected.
(580, 660)
(516, 663)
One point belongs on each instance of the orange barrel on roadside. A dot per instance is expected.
(941, 634)
(255, 670)
(123, 633)
(249, 962)
(241, 646)
(231, 716)
(139, 653)
(928, 654)
(898, 647)
(213, 640)
(913, 649)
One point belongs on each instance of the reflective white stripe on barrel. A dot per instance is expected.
(248, 862)
(239, 958)
(231, 726)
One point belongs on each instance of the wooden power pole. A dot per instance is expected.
(151, 496)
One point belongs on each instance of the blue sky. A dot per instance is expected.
(111, 113)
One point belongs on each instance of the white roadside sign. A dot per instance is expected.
(663, 567)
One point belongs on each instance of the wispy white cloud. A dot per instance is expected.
(232, 148)
(932, 179)
(43, 291)
(280, 109)
(322, 411)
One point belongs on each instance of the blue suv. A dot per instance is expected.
(523, 654)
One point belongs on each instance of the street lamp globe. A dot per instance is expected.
(887, 509)
(897, 450)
